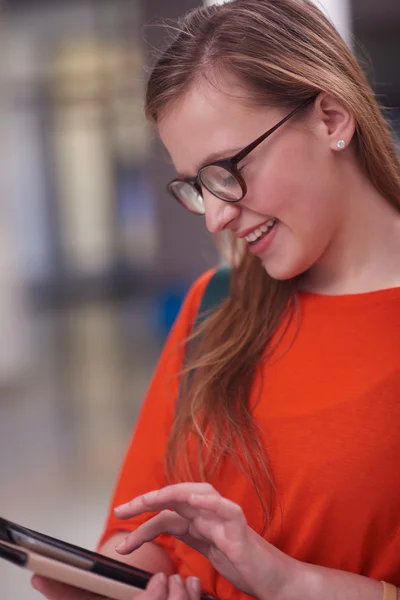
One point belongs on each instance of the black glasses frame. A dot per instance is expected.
(230, 164)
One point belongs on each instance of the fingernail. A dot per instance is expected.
(120, 508)
(178, 580)
(159, 579)
(194, 583)
(121, 546)
(35, 581)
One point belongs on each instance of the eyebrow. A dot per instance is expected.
(210, 158)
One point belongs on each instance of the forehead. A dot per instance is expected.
(209, 120)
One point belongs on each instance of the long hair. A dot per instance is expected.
(282, 52)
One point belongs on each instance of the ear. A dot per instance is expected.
(336, 122)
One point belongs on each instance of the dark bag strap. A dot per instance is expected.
(217, 291)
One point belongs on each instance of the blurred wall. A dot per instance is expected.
(184, 246)
(376, 27)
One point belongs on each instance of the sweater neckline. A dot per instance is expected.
(353, 298)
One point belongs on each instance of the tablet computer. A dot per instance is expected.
(64, 562)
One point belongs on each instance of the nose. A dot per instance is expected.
(219, 215)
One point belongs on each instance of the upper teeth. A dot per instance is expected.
(254, 235)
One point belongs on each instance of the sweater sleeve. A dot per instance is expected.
(143, 467)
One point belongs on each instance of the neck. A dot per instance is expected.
(364, 253)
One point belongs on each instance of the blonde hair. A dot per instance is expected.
(282, 52)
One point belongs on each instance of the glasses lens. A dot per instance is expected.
(188, 195)
(221, 182)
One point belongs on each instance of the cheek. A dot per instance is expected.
(290, 198)
(295, 187)
(299, 192)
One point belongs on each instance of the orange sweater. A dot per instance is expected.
(330, 412)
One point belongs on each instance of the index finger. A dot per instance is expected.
(168, 497)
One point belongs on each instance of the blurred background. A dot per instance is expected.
(94, 257)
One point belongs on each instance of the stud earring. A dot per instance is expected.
(341, 144)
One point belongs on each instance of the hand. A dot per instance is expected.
(198, 515)
(159, 588)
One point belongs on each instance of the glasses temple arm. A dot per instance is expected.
(243, 153)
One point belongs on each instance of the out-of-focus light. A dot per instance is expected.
(210, 2)
(339, 13)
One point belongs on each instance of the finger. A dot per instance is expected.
(220, 520)
(177, 589)
(222, 523)
(201, 514)
(193, 588)
(228, 537)
(165, 522)
(156, 589)
(222, 507)
(54, 590)
(167, 497)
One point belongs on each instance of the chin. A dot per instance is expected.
(284, 272)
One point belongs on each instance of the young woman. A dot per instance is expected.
(276, 474)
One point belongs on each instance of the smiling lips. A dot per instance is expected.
(255, 235)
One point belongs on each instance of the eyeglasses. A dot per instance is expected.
(221, 178)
